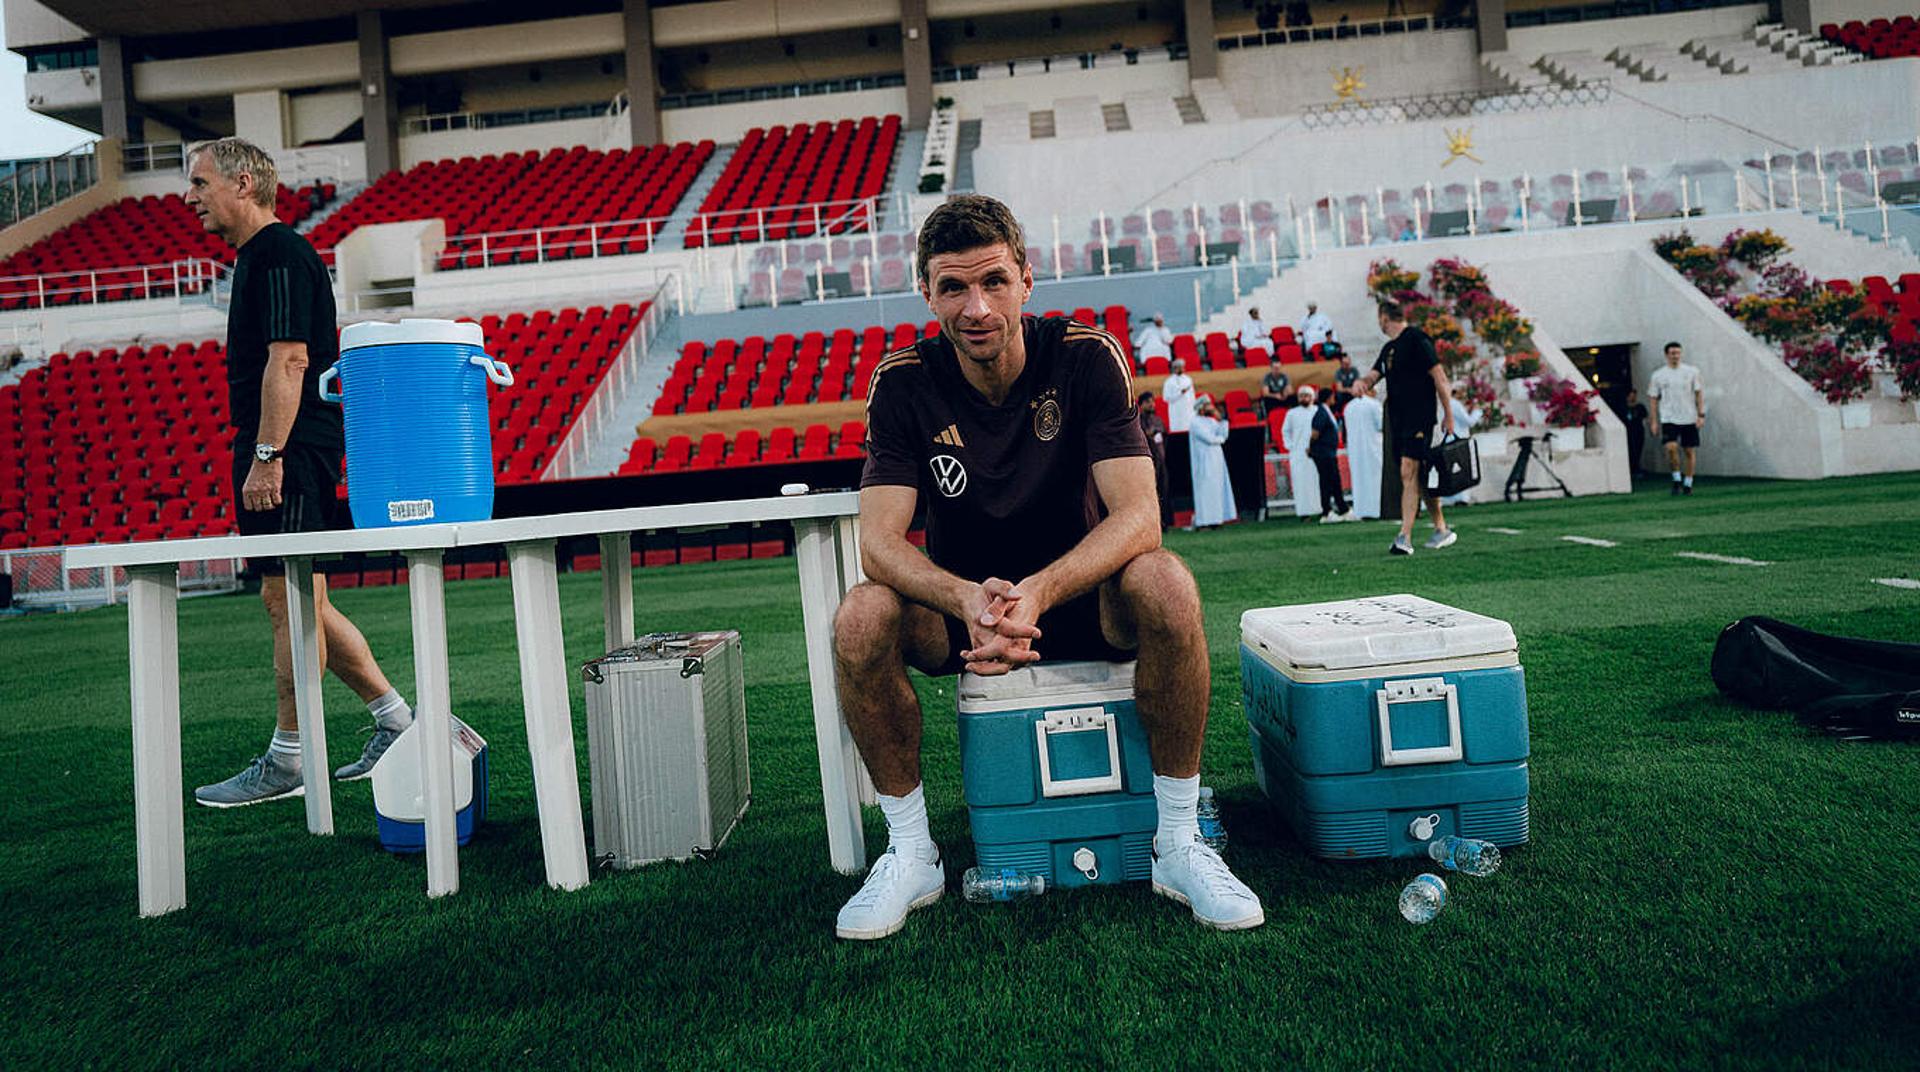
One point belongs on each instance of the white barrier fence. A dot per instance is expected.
(568, 459)
(42, 580)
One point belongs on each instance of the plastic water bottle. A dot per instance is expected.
(1213, 830)
(1471, 855)
(1423, 898)
(983, 885)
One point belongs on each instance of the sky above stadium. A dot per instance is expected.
(23, 133)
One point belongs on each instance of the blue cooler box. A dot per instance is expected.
(1379, 724)
(1056, 775)
(399, 803)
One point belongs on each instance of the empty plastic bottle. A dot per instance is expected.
(1213, 830)
(1423, 898)
(982, 885)
(1471, 855)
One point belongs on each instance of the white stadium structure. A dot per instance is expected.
(690, 225)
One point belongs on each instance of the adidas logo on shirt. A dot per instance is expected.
(950, 437)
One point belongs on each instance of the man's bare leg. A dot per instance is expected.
(1409, 496)
(1153, 606)
(875, 635)
(344, 650)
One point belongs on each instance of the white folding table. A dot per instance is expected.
(827, 554)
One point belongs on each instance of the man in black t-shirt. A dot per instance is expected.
(1417, 388)
(1043, 540)
(286, 445)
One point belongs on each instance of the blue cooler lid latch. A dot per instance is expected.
(1075, 727)
(1419, 690)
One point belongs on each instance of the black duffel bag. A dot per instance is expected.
(1842, 685)
(1454, 466)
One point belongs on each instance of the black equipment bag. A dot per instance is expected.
(1842, 685)
(1456, 467)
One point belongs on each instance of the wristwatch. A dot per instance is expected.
(266, 452)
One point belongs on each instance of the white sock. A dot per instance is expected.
(1676, 476)
(907, 829)
(390, 712)
(1179, 803)
(286, 747)
(1689, 481)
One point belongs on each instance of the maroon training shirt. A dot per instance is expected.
(1008, 488)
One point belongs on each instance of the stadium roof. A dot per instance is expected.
(142, 18)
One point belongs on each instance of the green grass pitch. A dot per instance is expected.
(1708, 886)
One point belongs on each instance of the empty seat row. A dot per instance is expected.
(1880, 39)
(749, 446)
(797, 181)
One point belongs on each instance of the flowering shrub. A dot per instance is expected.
(1695, 259)
(1521, 364)
(1481, 397)
(1477, 305)
(1454, 278)
(1787, 280)
(1838, 375)
(1435, 321)
(1505, 328)
(1567, 404)
(1386, 279)
(1903, 360)
(1666, 245)
(1755, 249)
(1454, 355)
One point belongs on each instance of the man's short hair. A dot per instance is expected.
(231, 156)
(1670, 346)
(969, 221)
(1145, 396)
(1392, 311)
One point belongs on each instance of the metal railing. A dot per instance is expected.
(42, 580)
(441, 122)
(177, 279)
(1338, 31)
(297, 167)
(1412, 109)
(782, 90)
(589, 423)
(32, 185)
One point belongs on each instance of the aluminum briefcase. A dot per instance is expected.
(666, 746)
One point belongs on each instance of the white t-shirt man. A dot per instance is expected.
(1674, 387)
(1154, 340)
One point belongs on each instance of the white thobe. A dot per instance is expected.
(1212, 489)
(1254, 333)
(1177, 389)
(1297, 433)
(1314, 330)
(1154, 340)
(1363, 454)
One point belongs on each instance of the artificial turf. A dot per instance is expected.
(1708, 886)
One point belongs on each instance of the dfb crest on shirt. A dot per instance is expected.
(948, 475)
(1046, 415)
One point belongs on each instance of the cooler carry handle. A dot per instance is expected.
(1078, 720)
(1418, 690)
(332, 373)
(497, 371)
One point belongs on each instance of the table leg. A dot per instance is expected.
(616, 587)
(153, 640)
(432, 714)
(820, 591)
(543, 688)
(846, 538)
(303, 634)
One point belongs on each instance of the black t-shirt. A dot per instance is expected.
(281, 293)
(1008, 488)
(1327, 443)
(1406, 363)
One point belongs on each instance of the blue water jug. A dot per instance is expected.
(414, 395)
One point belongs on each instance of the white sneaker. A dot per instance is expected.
(1197, 877)
(1329, 518)
(896, 886)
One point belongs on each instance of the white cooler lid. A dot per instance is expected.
(1045, 682)
(384, 333)
(1374, 631)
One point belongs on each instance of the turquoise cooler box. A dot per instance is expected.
(1056, 775)
(1379, 724)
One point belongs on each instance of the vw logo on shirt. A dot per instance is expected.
(948, 475)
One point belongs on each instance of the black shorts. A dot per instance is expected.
(1687, 435)
(1069, 632)
(309, 495)
(1412, 446)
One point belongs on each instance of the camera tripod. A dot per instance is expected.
(1517, 488)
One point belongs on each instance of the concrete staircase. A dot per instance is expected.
(342, 194)
(963, 158)
(673, 234)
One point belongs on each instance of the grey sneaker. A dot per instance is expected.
(266, 778)
(377, 746)
(1441, 538)
(1401, 546)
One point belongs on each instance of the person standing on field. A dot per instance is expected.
(1677, 411)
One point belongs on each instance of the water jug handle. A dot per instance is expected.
(332, 373)
(497, 371)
